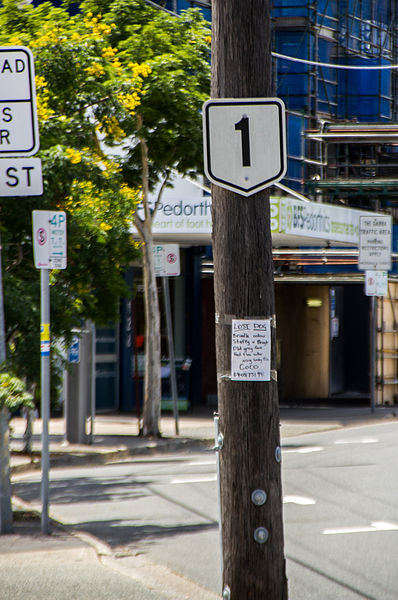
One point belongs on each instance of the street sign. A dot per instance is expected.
(244, 143)
(167, 260)
(19, 131)
(376, 283)
(49, 239)
(20, 177)
(375, 243)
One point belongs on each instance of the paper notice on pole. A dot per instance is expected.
(251, 350)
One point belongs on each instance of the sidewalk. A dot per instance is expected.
(116, 435)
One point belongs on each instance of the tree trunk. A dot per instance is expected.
(152, 380)
(5, 485)
(243, 280)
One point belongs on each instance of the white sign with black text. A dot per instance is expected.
(20, 177)
(19, 131)
(244, 143)
(251, 350)
(375, 236)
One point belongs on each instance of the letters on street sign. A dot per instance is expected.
(19, 132)
(20, 177)
(375, 243)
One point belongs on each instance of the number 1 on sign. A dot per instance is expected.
(243, 127)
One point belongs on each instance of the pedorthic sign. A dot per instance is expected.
(244, 143)
(19, 132)
(49, 239)
(375, 234)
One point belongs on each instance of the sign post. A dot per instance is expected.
(49, 245)
(167, 264)
(375, 235)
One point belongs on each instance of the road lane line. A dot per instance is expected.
(302, 450)
(359, 441)
(204, 479)
(301, 500)
(376, 526)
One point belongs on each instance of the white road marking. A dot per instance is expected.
(373, 527)
(358, 441)
(201, 463)
(303, 450)
(301, 500)
(204, 479)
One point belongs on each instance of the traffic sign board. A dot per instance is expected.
(376, 283)
(49, 239)
(19, 131)
(167, 260)
(20, 177)
(244, 143)
(375, 243)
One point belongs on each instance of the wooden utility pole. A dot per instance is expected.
(251, 490)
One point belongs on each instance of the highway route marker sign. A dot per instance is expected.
(244, 143)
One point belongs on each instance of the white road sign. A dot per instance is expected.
(49, 239)
(20, 177)
(244, 143)
(376, 283)
(167, 260)
(19, 132)
(375, 235)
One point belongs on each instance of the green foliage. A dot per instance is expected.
(13, 393)
(177, 50)
(95, 74)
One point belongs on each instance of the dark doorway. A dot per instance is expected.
(349, 342)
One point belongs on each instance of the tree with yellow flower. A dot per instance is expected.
(172, 55)
(120, 88)
(85, 96)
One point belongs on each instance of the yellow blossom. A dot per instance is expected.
(95, 69)
(74, 156)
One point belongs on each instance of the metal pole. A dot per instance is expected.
(218, 440)
(173, 379)
(45, 394)
(373, 356)
(2, 329)
(93, 382)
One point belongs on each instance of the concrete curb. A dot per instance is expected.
(103, 455)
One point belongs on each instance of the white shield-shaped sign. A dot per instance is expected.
(244, 143)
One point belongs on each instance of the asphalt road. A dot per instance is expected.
(340, 497)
